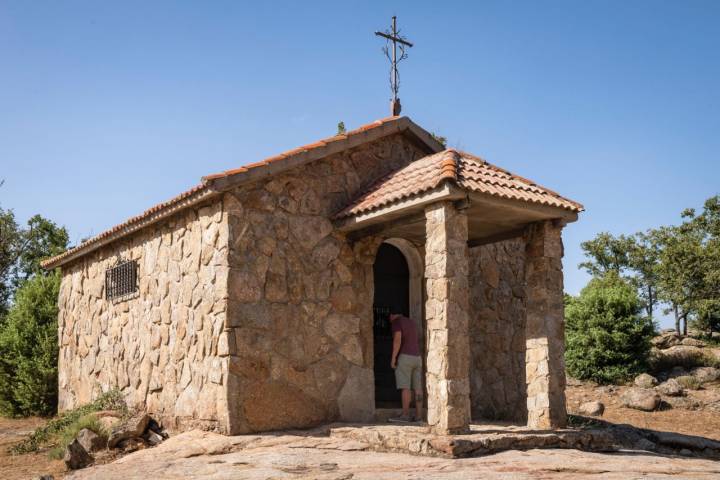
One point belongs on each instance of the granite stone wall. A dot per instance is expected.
(254, 313)
(300, 301)
(497, 331)
(545, 327)
(163, 347)
(447, 315)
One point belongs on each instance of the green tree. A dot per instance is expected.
(28, 349)
(606, 253)
(44, 239)
(678, 271)
(634, 257)
(10, 243)
(689, 268)
(22, 250)
(643, 262)
(607, 338)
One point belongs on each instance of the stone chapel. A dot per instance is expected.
(258, 299)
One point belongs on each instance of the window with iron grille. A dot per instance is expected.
(121, 280)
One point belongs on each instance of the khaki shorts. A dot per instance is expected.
(408, 372)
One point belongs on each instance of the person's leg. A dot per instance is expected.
(419, 405)
(403, 381)
(418, 389)
(406, 398)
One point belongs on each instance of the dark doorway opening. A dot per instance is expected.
(392, 289)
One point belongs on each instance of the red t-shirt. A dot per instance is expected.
(409, 345)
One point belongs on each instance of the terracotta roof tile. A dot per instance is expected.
(204, 188)
(304, 148)
(197, 191)
(466, 171)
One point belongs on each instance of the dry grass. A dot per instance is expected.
(704, 422)
(23, 467)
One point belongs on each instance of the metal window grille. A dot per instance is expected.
(121, 280)
(381, 319)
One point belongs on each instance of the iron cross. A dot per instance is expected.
(393, 36)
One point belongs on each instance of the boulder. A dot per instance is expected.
(76, 456)
(133, 427)
(645, 380)
(706, 374)
(91, 441)
(684, 403)
(692, 342)
(671, 388)
(592, 409)
(153, 438)
(640, 399)
(108, 418)
(682, 355)
(666, 340)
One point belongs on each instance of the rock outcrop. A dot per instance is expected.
(91, 441)
(641, 399)
(706, 374)
(593, 409)
(671, 388)
(133, 427)
(645, 380)
(76, 456)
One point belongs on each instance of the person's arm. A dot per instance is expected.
(397, 341)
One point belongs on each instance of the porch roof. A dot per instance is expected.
(498, 201)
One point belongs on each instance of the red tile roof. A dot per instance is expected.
(466, 171)
(207, 187)
(305, 148)
(189, 197)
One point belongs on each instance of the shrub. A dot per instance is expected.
(689, 382)
(68, 433)
(607, 338)
(111, 400)
(28, 349)
(710, 360)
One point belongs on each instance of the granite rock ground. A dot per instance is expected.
(206, 455)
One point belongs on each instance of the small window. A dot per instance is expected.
(121, 280)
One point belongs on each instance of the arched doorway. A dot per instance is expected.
(391, 278)
(397, 276)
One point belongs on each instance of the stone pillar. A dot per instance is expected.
(446, 311)
(544, 330)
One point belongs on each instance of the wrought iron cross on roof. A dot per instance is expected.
(398, 42)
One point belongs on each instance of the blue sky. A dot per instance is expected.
(108, 108)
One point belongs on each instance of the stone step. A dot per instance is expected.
(419, 440)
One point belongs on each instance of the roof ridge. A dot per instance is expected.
(302, 148)
(449, 160)
(211, 184)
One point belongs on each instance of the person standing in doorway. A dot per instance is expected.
(407, 363)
